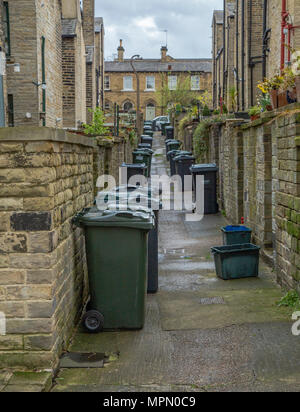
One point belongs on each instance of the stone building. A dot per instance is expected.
(54, 50)
(217, 55)
(121, 82)
(3, 84)
(249, 45)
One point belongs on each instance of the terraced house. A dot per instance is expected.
(120, 82)
(252, 39)
(52, 67)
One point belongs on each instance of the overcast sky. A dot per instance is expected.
(140, 23)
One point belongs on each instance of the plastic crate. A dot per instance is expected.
(236, 235)
(236, 261)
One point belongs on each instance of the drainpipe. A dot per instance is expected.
(237, 56)
(251, 63)
(224, 41)
(243, 55)
(284, 15)
(265, 40)
(43, 81)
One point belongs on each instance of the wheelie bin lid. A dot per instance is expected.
(169, 127)
(144, 151)
(148, 127)
(172, 141)
(210, 167)
(103, 199)
(144, 145)
(146, 136)
(109, 218)
(135, 166)
(146, 190)
(183, 157)
(238, 228)
(178, 152)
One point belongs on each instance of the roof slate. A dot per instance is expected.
(69, 27)
(98, 24)
(218, 16)
(151, 65)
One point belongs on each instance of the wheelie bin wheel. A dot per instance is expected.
(93, 321)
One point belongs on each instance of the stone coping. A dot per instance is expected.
(34, 133)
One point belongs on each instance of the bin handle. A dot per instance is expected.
(75, 220)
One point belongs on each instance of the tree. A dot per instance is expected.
(181, 97)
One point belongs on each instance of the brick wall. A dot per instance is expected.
(89, 38)
(117, 95)
(259, 179)
(46, 177)
(26, 50)
(74, 77)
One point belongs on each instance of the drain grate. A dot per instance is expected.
(212, 301)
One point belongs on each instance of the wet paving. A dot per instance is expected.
(201, 333)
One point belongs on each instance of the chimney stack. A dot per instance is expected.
(88, 8)
(164, 51)
(121, 51)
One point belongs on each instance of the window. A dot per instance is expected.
(6, 28)
(107, 83)
(127, 83)
(107, 105)
(195, 82)
(127, 107)
(172, 82)
(150, 83)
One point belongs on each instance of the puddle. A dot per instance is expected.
(184, 282)
(187, 265)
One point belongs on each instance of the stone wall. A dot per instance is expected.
(287, 199)
(259, 179)
(46, 177)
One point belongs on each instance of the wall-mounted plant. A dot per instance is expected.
(254, 112)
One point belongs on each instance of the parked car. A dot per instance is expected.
(158, 121)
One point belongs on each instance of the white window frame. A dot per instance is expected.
(106, 77)
(172, 82)
(197, 78)
(126, 78)
(151, 89)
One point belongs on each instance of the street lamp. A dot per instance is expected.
(138, 114)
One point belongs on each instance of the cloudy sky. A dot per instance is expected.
(140, 23)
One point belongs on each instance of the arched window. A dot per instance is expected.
(127, 106)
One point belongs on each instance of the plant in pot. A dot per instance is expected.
(264, 101)
(287, 91)
(271, 87)
(254, 113)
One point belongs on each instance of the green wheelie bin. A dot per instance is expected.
(116, 249)
(143, 155)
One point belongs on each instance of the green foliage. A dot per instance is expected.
(180, 98)
(254, 111)
(206, 112)
(96, 128)
(132, 136)
(225, 110)
(216, 112)
(290, 300)
(233, 98)
(200, 139)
